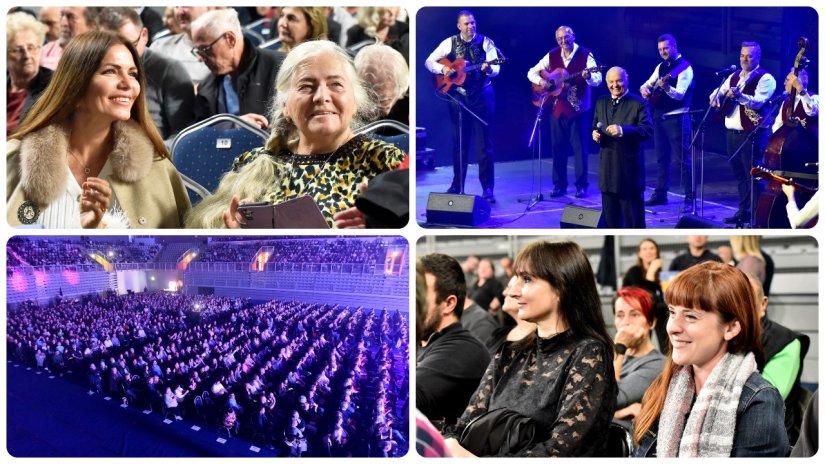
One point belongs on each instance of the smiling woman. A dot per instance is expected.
(88, 154)
(312, 150)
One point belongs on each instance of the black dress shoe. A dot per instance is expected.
(657, 199)
(581, 192)
(688, 206)
(558, 192)
(453, 190)
(488, 195)
(737, 218)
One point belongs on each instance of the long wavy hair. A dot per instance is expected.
(80, 61)
(712, 287)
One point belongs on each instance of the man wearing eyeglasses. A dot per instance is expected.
(242, 76)
(170, 94)
(178, 46)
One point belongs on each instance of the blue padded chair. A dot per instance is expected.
(262, 26)
(274, 44)
(204, 151)
(400, 133)
(255, 37)
(353, 49)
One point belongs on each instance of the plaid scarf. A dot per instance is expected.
(709, 430)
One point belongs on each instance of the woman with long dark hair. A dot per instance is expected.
(561, 375)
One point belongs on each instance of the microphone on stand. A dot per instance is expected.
(729, 69)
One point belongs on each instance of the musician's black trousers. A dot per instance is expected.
(750, 155)
(671, 138)
(569, 135)
(474, 134)
(623, 210)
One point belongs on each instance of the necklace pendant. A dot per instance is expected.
(87, 171)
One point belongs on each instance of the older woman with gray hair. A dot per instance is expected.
(25, 78)
(387, 74)
(312, 150)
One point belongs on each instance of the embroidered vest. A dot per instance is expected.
(750, 118)
(808, 122)
(576, 97)
(664, 104)
(473, 53)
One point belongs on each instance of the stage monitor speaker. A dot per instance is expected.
(577, 217)
(457, 210)
(690, 221)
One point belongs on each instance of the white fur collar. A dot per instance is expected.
(43, 159)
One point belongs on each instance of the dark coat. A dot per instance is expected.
(36, 87)
(621, 164)
(256, 83)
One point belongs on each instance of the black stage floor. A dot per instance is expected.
(48, 416)
(519, 180)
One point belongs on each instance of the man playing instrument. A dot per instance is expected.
(748, 91)
(806, 104)
(568, 121)
(476, 93)
(670, 90)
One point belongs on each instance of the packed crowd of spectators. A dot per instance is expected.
(30, 251)
(125, 252)
(303, 379)
(339, 250)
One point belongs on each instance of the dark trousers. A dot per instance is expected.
(482, 103)
(750, 155)
(567, 135)
(623, 210)
(671, 138)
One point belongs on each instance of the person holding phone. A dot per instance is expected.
(312, 149)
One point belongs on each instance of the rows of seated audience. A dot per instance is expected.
(298, 378)
(181, 89)
(29, 251)
(126, 253)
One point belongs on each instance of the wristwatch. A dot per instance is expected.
(620, 348)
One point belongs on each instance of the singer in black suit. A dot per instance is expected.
(621, 122)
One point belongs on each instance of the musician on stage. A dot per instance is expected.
(747, 91)
(568, 123)
(670, 91)
(621, 122)
(806, 104)
(476, 93)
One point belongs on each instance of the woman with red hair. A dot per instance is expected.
(710, 399)
(636, 361)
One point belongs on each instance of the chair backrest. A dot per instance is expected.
(355, 48)
(203, 152)
(198, 402)
(261, 26)
(619, 441)
(161, 34)
(273, 44)
(379, 129)
(254, 36)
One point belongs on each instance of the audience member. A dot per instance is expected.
(560, 376)
(636, 362)
(808, 443)
(50, 18)
(510, 333)
(712, 375)
(785, 352)
(25, 78)
(725, 253)
(746, 250)
(299, 24)
(645, 274)
(170, 95)
(452, 361)
(90, 156)
(376, 24)
(151, 19)
(74, 20)
(179, 46)
(697, 252)
(486, 289)
(387, 75)
(478, 321)
(313, 147)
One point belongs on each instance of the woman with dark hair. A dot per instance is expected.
(645, 274)
(88, 154)
(486, 290)
(636, 361)
(561, 375)
(710, 399)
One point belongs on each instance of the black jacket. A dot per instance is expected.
(621, 164)
(255, 84)
(36, 87)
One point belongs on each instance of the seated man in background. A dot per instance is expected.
(241, 76)
(387, 74)
(784, 352)
(452, 361)
(179, 46)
